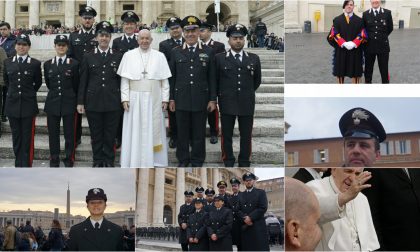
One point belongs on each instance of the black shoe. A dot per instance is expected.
(183, 164)
(98, 164)
(214, 139)
(68, 163)
(54, 163)
(229, 164)
(3, 119)
(196, 165)
(109, 164)
(172, 143)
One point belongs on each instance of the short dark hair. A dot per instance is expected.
(346, 2)
(5, 24)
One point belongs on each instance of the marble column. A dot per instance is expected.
(69, 10)
(110, 11)
(243, 13)
(216, 178)
(158, 197)
(96, 4)
(142, 198)
(147, 12)
(180, 188)
(9, 13)
(203, 175)
(33, 13)
(2, 8)
(291, 19)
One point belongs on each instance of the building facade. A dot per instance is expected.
(160, 191)
(275, 195)
(399, 150)
(321, 13)
(122, 217)
(27, 13)
(37, 218)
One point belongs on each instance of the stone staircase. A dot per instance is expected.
(268, 132)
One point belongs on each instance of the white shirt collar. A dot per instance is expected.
(207, 43)
(99, 221)
(23, 57)
(195, 46)
(348, 14)
(240, 53)
(314, 173)
(100, 50)
(62, 58)
(250, 190)
(131, 37)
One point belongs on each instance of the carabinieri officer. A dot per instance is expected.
(99, 94)
(238, 77)
(62, 79)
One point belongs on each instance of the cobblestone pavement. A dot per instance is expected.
(309, 56)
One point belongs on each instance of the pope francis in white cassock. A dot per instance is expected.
(144, 93)
(346, 220)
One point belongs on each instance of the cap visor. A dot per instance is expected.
(190, 27)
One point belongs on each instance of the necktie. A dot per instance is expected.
(60, 62)
(128, 39)
(237, 57)
(103, 54)
(97, 225)
(178, 42)
(20, 60)
(191, 49)
(376, 12)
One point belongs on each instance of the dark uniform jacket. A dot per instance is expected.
(254, 205)
(260, 28)
(216, 46)
(197, 229)
(23, 81)
(184, 214)
(122, 45)
(378, 29)
(394, 200)
(220, 223)
(166, 47)
(237, 83)
(83, 237)
(99, 88)
(9, 45)
(192, 84)
(81, 43)
(237, 220)
(62, 83)
(209, 207)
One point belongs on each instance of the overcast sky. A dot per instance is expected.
(269, 173)
(46, 189)
(318, 117)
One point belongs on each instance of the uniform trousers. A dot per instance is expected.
(23, 131)
(245, 133)
(383, 59)
(69, 125)
(173, 129)
(103, 130)
(213, 121)
(192, 126)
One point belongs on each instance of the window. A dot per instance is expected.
(24, 8)
(168, 181)
(127, 7)
(53, 7)
(292, 158)
(387, 148)
(403, 147)
(321, 156)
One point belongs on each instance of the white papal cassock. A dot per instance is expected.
(144, 135)
(349, 228)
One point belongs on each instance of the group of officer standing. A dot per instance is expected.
(219, 221)
(82, 79)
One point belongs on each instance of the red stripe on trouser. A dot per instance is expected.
(250, 140)
(73, 152)
(31, 148)
(216, 114)
(389, 77)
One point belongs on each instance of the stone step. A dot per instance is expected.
(270, 65)
(271, 80)
(266, 150)
(271, 88)
(262, 126)
(272, 72)
(269, 98)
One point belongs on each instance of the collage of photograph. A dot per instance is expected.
(209, 125)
